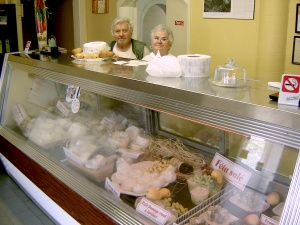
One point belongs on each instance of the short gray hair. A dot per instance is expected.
(165, 28)
(119, 20)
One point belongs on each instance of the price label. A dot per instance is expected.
(265, 220)
(153, 211)
(19, 113)
(109, 186)
(75, 105)
(234, 173)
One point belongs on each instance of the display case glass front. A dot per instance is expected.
(146, 150)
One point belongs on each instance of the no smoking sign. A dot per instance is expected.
(290, 90)
(290, 84)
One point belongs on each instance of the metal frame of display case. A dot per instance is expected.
(268, 121)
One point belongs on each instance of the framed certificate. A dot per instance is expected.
(296, 50)
(297, 28)
(100, 6)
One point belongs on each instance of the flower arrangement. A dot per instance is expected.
(40, 11)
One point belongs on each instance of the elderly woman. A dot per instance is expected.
(123, 45)
(161, 62)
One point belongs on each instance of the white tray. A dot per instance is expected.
(260, 207)
(229, 220)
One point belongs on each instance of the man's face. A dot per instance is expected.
(122, 34)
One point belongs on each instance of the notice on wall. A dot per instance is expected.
(234, 9)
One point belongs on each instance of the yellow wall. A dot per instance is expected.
(263, 45)
(224, 38)
(98, 25)
(258, 45)
(289, 67)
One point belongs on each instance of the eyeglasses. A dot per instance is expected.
(163, 39)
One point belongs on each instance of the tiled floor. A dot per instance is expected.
(15, 206)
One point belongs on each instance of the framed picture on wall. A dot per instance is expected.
(99, 6)
(297, 29)
(296, 50)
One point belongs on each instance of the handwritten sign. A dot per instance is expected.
(265, 220)
(109, 186)
(152, 211)
(234, 173)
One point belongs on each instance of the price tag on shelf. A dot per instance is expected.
(19, 113)
(72, 92)
(153, 211)
(265, 220)
(109, 186)
(75, 105)
(234, 173)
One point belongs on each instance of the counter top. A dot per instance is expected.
(195, 98)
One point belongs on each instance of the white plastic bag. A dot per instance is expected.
(163, 66)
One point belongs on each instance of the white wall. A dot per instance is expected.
(154, 16)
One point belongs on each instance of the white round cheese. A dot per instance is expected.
(95, 47)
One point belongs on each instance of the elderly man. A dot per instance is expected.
(124, 46)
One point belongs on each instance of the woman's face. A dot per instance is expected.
(160, 42)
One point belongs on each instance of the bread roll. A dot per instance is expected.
(106, 54)
(79, 56)
(95, 56)
(85, 56)
(76, 51)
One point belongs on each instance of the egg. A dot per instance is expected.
(76, 51)
(165, 192)
(153, 194)
(217, 174)
(95, 56)
(273, 198)
(252, 219)
(79, 56)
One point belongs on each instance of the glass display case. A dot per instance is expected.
(119, 146)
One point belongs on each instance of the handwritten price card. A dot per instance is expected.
(153, 211)
(109, 186)
(234, 173)
(265, 220)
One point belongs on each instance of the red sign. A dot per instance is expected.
(179, 23)
(291, 84)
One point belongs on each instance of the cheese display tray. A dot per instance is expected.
(258, 208)
(142, 166)
(230, 219)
